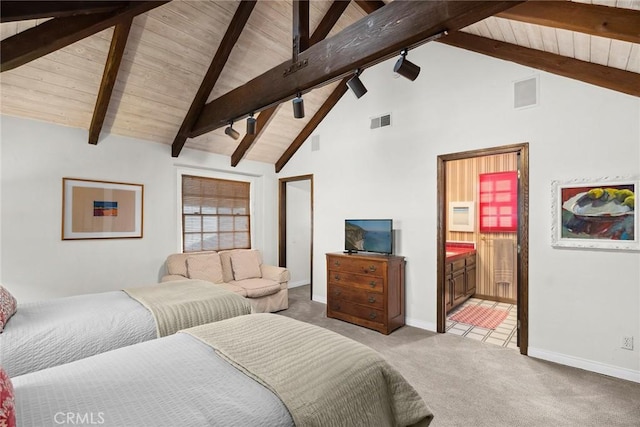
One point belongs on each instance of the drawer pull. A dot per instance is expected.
(372, 268)
(372, 299)
(372, 315)
(337, 292)
(336, 277)
(336, 263)
(372, 283)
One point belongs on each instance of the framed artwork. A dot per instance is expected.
(461, 216)
(597, 214)
(101, 209)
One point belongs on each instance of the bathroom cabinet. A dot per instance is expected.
(460, 279)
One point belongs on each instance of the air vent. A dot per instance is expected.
(315, 142)
(525, 93)
(381, 121)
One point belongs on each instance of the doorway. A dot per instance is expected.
(295, 229)
(521, 152)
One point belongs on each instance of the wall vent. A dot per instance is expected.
(315, 142)
(525, 93)
(381, 121)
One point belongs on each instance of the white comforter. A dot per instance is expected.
(48, 333)
(171, 381)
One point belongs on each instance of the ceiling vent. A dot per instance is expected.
(381, 121)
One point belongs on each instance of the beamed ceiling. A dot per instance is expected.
(177, 72)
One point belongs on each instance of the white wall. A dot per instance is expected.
(37, 264)
(581, 302)
(299, 232)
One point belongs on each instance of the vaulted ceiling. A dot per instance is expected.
(178, 72)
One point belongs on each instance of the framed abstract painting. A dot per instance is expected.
(101, 209)
(598, 214)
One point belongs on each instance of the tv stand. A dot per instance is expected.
(350, 251)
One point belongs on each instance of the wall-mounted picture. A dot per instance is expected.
(101, 209)
(597, 214)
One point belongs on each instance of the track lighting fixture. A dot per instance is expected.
(298, 106)
(231, 131)
(356, 85)
(406, 68)
(251, 125)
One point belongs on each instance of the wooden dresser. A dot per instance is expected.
(367, 290)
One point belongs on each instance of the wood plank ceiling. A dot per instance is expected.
(177, 72)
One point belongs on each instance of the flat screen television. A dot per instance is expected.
(368, 235)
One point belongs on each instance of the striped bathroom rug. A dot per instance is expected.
(482, 317)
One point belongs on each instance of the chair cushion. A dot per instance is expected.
(257, 288)
(246, 264)
(8, 307)
(205, 267)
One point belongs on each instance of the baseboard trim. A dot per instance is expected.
(589, 365)
(421, 324)
(317, 298)
(298, 283)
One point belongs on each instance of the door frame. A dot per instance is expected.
(282, 223)
(522, 259)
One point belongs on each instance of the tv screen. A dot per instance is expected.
(368, 235)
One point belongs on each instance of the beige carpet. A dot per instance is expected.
(470, 383)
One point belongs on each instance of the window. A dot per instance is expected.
(499, 202)
(215, 214)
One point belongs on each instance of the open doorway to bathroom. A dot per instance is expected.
(482, 256)
(295, 230)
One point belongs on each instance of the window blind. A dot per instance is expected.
(215, 214)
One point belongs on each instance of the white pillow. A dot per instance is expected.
(205, 267)
(245, 264)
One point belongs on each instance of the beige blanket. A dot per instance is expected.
(183, 304)
(323, 378)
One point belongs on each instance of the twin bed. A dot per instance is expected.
(249, 370)
(52, 332)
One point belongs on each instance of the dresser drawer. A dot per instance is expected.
(361, 311)
(360, 281)
(355, 265)
(358, 296)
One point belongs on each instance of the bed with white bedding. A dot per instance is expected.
(256, 370)
(52, 332)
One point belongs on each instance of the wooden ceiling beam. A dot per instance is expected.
(370, 6)
(327, 106)
(373, 39)
(239, 20)
(111, 68)
(327, 23)
(596, 74)
(300, 27)
(57, 33)
(263, 120)
(23, 10)
(597, 20)
(331, 101)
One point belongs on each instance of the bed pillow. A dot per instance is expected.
(8, 307)
(7, 402)
(245, 264)
(205, 267)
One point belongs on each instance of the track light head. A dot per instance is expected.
(298, 107)
(231, 131)
(406, 68)
(356, 86)
(251, 125)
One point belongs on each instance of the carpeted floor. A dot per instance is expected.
(470, 383)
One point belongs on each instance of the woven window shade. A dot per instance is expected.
(215, 214)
